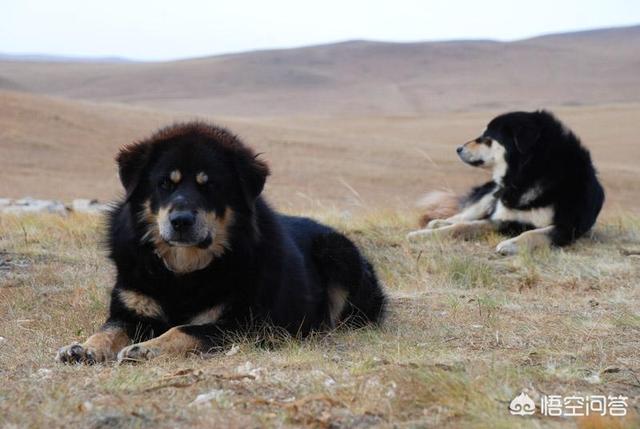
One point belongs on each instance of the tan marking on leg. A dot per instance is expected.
(531, 240)
(172, 342)
(100, 347)
(458, 230)
(111, 340)
(141, 304)
(337, 300)
(208, 316)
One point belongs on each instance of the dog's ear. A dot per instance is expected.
(252, 173)
(132, 159)
(525, 136)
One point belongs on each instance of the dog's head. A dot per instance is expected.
(511, 136)
(188, 183)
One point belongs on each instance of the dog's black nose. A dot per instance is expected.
(182, 220)
(459, 149)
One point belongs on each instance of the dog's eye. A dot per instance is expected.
(487, 141)
(166, 184)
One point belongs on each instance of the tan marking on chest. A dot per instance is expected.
(208, 316)
(141, 304)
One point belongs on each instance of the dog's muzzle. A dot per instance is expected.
(185, 228)
(468, 158)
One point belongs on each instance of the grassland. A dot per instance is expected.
(467, 331)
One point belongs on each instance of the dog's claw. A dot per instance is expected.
(76, 353)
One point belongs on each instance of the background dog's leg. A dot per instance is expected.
(532, 239)
(475, 211)
(100, 347)
(462, 230)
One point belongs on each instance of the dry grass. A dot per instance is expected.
(467, 331)
(355, 163)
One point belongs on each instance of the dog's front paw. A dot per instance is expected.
(438, 223)
(137, 353)
(507, 247)
(78, 353)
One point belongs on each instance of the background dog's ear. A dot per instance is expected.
(132, 160)
(525, 136)
(253, 174)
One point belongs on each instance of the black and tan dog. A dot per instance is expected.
(544, 188)
(201, 257)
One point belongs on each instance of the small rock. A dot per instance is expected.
(248, 369)
(593, 378)
(83, 205)
(30, 205)
(42, 373)
(233, 350)
(213, 395)
(86, 406)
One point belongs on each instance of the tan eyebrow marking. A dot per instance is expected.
(202, 178)
(175, 176)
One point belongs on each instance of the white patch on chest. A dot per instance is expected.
(539, 217)
(208, 316)
(499, 162)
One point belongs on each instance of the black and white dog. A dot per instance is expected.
(544, 186)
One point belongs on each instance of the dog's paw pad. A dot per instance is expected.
(136, 353)
(507, 247)
(76, 353)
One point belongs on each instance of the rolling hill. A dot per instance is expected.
(361, 77)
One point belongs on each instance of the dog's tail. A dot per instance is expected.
(438, 205)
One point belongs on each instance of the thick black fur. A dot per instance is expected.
(542, 152)
(277, 269)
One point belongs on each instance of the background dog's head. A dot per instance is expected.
(188, 183)
(507, 139)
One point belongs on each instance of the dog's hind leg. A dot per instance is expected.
(477, 210)
(354, 294)
(532, 239)
(458, 230)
